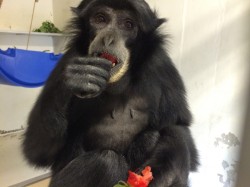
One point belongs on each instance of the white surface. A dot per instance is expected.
(244, 180)
(13, 32)
(38, 41)
(16, 103)
(13, 167)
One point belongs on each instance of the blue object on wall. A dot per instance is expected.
(26, 68)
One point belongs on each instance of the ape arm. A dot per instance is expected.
(171, 159)
(172, 155)
(48, 121)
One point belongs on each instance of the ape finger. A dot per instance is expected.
(81, 70)
(91, 90)
(95, 61)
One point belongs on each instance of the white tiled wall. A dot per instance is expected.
(210, 46)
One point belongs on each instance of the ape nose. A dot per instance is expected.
(108, 40)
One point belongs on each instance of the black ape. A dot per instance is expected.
(114, 103)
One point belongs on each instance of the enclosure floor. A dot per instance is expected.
(42, 183)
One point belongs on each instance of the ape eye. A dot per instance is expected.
(129, 24)
(100, 18)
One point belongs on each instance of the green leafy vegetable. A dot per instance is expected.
(122, 184)
(47, 27)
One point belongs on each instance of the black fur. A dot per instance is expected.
(143, 119)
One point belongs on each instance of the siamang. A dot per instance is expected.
(115, 102)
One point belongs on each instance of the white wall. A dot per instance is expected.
(16, 15)
(62, 12)
(210, 46)
(244, 165)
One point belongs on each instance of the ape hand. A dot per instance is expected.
(142, 148)
(87, 77)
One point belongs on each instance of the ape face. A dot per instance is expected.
(111, 32)
(117, 31)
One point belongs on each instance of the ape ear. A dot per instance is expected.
(160, 21)
(75, 10)
(152, 24)
(82, 6)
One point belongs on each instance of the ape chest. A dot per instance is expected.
(116, 129)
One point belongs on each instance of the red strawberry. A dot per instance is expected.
(109, 57)
(135, 180)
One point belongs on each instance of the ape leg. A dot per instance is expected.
(172, 155)
(93, 169)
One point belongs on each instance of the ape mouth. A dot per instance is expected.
(113, 59)
(119, 65)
